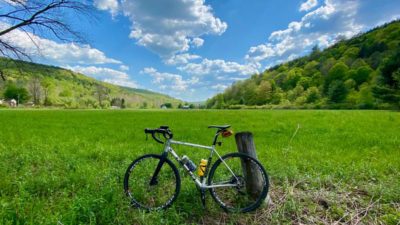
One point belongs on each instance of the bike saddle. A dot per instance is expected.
(221, 127)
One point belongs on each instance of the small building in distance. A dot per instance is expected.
(13, 103)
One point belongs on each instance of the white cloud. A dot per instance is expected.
(219, 87)
(107, 5)
(308, 5)
(181, 59)
(14, 2)
(197, 42)
(321, 27)
(124, 67)
(218, 66)
(60, 53)
(106, 74)
(169, 27)
(170, 81)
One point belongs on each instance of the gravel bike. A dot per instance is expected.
(152, 181)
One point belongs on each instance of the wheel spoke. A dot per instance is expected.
(240, 197)
(147, 194)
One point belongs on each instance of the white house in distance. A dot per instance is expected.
(13, 103)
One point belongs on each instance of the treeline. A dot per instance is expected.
(42, 92)
(38, 85)
(363, 72)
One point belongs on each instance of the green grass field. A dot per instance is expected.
(67, 167)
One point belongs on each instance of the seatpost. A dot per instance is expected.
(216, 137)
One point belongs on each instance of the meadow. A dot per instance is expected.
(67, 167)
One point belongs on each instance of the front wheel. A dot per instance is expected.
(235, 187)
(151, 192)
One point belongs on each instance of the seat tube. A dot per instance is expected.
(208, 166)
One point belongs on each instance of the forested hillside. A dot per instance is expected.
(48, 86)
(363, 72)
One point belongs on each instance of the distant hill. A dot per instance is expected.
(363, 72)
(59, 87)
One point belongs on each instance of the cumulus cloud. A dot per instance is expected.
(59, 53)
(308, 5)
(218, 66)
(170, 81)
(169, 27)
(107, 5)
(106, 74)
(181, 59)
(124, 67)
(197, 42)
(322, 26)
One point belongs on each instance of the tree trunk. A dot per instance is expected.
(2, 76)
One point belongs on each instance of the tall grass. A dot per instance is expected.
(67, 167)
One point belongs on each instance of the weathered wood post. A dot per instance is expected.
(253, 177)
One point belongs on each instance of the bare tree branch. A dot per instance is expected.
(44, 17)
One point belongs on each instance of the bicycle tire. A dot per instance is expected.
(228, 197)
(137, 183)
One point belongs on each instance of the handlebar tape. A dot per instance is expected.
(166, 133)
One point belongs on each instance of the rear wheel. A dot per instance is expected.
(243, 194)
(155, 195)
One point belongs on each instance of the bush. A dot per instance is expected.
(18, 93)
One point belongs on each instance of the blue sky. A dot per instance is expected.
(193, 49)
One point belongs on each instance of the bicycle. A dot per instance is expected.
(152, 181)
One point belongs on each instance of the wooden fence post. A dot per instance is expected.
(245, 144)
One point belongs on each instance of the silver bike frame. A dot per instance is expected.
(201, 184)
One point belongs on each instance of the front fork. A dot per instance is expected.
(153, 180)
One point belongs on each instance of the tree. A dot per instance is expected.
(18, 93)
(388, 88)
(123, 104)
(39, 17)
(219, 103)
(116, 102)
(47, 87)
(337, 73)
(35, 89)
(312, 95)
(249, 94)
(2, 76)
(264, 92)
(315, 52)
(101, 93)
(168, 105)
(389, 67)
(293, 78)
(362, 74)
(337, 91)
(144, 105)
(366, 99)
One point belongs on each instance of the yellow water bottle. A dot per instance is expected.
(202, 167)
